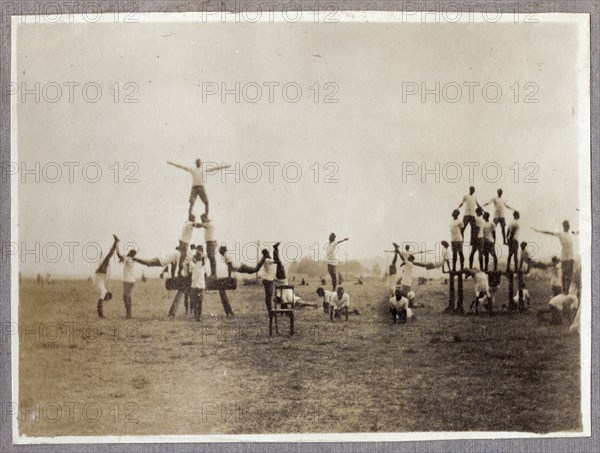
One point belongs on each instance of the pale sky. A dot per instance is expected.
(369, 133)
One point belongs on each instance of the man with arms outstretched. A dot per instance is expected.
(198, 189)
(567, 254)
(499, 205)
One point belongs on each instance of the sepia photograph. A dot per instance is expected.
(281, 225)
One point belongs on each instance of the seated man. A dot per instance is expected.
(327, 296)
(399, 307)
(339, 300)
(559, 307)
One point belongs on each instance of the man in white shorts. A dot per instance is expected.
(499, 216)
(101, 278)
(198, 189)
(567, 254)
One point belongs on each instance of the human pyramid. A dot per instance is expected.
(187, 263)
(483, 243)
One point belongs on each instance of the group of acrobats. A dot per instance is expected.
(187, 262)
(483, 243)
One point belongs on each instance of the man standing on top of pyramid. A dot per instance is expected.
(198, 189)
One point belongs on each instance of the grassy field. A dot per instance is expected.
(155, 375)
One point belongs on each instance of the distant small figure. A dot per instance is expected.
(303, 283)
(359, 281)
(340, 278)
(323, 281)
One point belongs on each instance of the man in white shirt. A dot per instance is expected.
(211, 243)
(559, 307)
(186, 238)
(171, 258)
(489, 242)
(198, 189)
(185, 291)
(482, 289)
(499, 216)
(456, 239)
(513, 241)
(128, 279)
(399, 308)
(567, 253)
(331, 258)
(392, 279)
(339, 300)
(101, 278)
(270, 271)
(198, 281)
(439, 263)
(326, 296)
(477, 240)
(407, 275)
(471, 205)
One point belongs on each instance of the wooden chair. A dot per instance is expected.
(281, 308)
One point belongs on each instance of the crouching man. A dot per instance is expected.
(482, 290)
(326, 296)
(340, 300)
(399, 308)
(559, 307)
